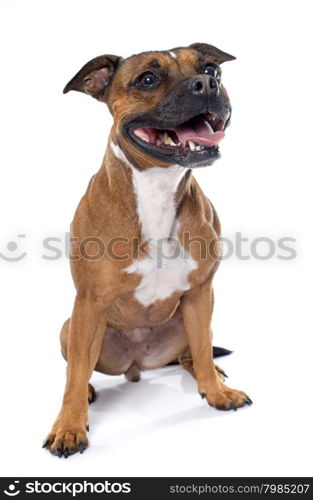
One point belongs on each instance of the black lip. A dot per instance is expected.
(188, 159)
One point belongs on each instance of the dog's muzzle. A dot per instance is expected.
(187, 126)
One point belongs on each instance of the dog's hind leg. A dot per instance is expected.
(185, 360)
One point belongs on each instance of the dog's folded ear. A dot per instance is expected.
(217, 55)
(94, 77)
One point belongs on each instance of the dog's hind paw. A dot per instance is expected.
(220, 372)
(92, 395)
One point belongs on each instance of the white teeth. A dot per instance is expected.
(208, 126)
(168, 140)
(213, 116)
(195, 147)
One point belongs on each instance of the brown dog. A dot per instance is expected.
(144, 235)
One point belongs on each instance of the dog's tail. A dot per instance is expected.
(217, 352)
(220, 351)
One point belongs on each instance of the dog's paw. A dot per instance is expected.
(66, 441)
(222, 397)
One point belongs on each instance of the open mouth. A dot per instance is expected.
(201, 132)
(191, 143)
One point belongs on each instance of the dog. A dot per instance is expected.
(141, 233)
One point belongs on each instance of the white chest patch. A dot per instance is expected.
(167, 267)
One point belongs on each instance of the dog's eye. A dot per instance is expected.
(147, 80)
(210, 69)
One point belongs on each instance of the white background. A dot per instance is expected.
(51, 145)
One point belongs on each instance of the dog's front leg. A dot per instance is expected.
(197, 308)
(86, 330)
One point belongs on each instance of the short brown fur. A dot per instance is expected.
(109, 329)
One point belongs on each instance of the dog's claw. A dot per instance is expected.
(46, 443)
(202, 394)
(249, 401)
(87, 428)
(59, 452)
(81, 447)
(66, 452)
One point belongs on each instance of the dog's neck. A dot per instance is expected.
(156, 191)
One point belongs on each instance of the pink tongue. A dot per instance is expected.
(199, 132)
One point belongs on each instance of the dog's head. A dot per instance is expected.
(169, 107)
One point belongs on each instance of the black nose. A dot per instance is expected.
(203, 84)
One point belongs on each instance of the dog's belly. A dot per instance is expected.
(127, 314)
(147, 348)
